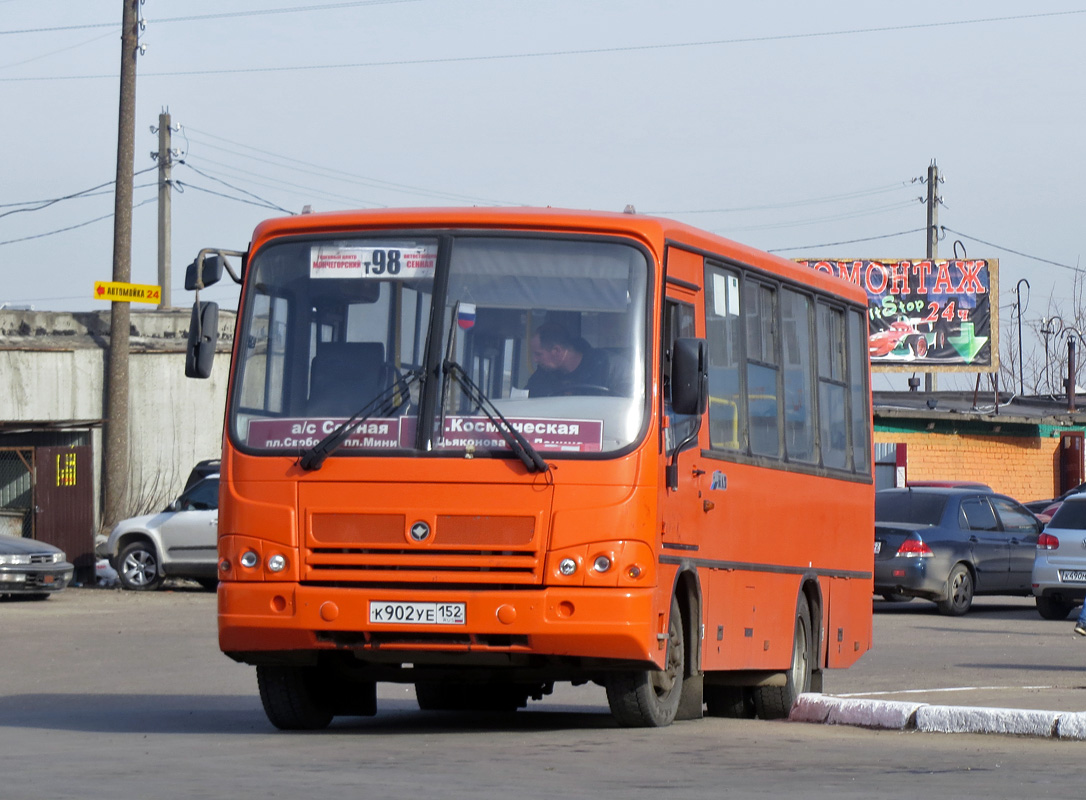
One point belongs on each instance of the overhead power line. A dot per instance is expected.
(40, 204)
(338, 173)
(1016, 252)
(846, 241)
(867, 212)
(73, 227)
(268, 182)
(262, 201)
(183, 185)
(221, 15)
(559, 53)
(833, 198)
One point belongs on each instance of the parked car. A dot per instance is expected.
(947, 545)
(32, 568)
(1044, 506)
(982, 487)
(1059, 568)
(202, 470)
(181, 541)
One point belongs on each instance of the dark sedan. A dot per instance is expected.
(32, 568)
(948, 545)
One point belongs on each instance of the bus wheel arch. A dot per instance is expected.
(775, 702)
(688, 593)
(650, 698)
(812, 590)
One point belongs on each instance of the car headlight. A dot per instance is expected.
(14, 559)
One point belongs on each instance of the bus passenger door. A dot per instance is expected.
(683, 504)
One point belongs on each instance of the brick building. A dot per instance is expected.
(1029, 448)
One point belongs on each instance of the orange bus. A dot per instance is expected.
(482, 451)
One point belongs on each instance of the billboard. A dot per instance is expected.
(930, 315)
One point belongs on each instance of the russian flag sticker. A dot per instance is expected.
(465, 315)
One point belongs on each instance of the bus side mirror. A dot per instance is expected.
(209, 270)
(203, 336)
(690, 376)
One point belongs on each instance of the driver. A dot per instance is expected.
(567, 364)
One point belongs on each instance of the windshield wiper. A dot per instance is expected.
(386, 402)
(520, 446)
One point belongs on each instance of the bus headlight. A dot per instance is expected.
(567, 566)
(249, 559)
(601, 564)
(277, 563)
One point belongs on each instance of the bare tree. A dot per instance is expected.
(1044, 358)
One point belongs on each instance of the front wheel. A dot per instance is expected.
(650, 698)
(140, 569)
(959, 596)
(291, 698)
(774, 702)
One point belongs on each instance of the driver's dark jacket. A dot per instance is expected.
(595, 370)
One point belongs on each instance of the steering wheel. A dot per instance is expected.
(591, 389)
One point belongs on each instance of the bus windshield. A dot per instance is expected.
(552, 331)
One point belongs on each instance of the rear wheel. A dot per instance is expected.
(650, 698)
(959, 592)
(774, 702)
(1054, 608)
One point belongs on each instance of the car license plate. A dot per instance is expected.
(878, 547)
(1073, 575)
(384, 612)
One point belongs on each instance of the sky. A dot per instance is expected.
(797, 127)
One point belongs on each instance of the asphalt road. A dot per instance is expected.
(122, 695)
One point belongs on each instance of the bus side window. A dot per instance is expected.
(724, 331)
(831, 386)
(799, 439)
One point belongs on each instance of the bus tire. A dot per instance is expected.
(774, 702)
(290, 698)
(650, 698)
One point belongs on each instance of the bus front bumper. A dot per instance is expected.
(596, 623)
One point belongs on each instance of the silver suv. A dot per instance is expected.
(180, 542)
(1059, 567)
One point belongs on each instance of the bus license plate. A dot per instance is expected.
(385, 612)
(1073, 575)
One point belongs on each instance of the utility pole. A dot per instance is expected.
(165, 165)
(932, 241)
(116, 459)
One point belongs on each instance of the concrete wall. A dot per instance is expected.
(52, 368)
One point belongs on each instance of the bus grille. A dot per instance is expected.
(460, 549)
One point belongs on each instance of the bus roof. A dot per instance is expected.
(653, 231)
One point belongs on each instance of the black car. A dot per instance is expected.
(948, 545)
(1037, 506)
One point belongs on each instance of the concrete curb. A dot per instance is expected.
(896, 715)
